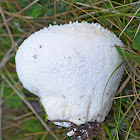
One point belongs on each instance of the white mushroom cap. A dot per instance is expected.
(68, 67)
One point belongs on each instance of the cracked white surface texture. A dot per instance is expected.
(68, 66)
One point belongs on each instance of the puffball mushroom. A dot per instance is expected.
(74, 69)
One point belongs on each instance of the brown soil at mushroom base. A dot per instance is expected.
(85, 131)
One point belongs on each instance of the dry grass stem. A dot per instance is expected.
(8, 29)
(24, 115)
(9, 54)
(1, 97)
(123, 85)
(125, 96)
(138, 29)
(132, 124)
(129, 22)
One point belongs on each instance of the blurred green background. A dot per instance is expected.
(21, 116)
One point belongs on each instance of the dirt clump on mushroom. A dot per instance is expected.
(84, 131)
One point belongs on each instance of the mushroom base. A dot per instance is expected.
(82, 132)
